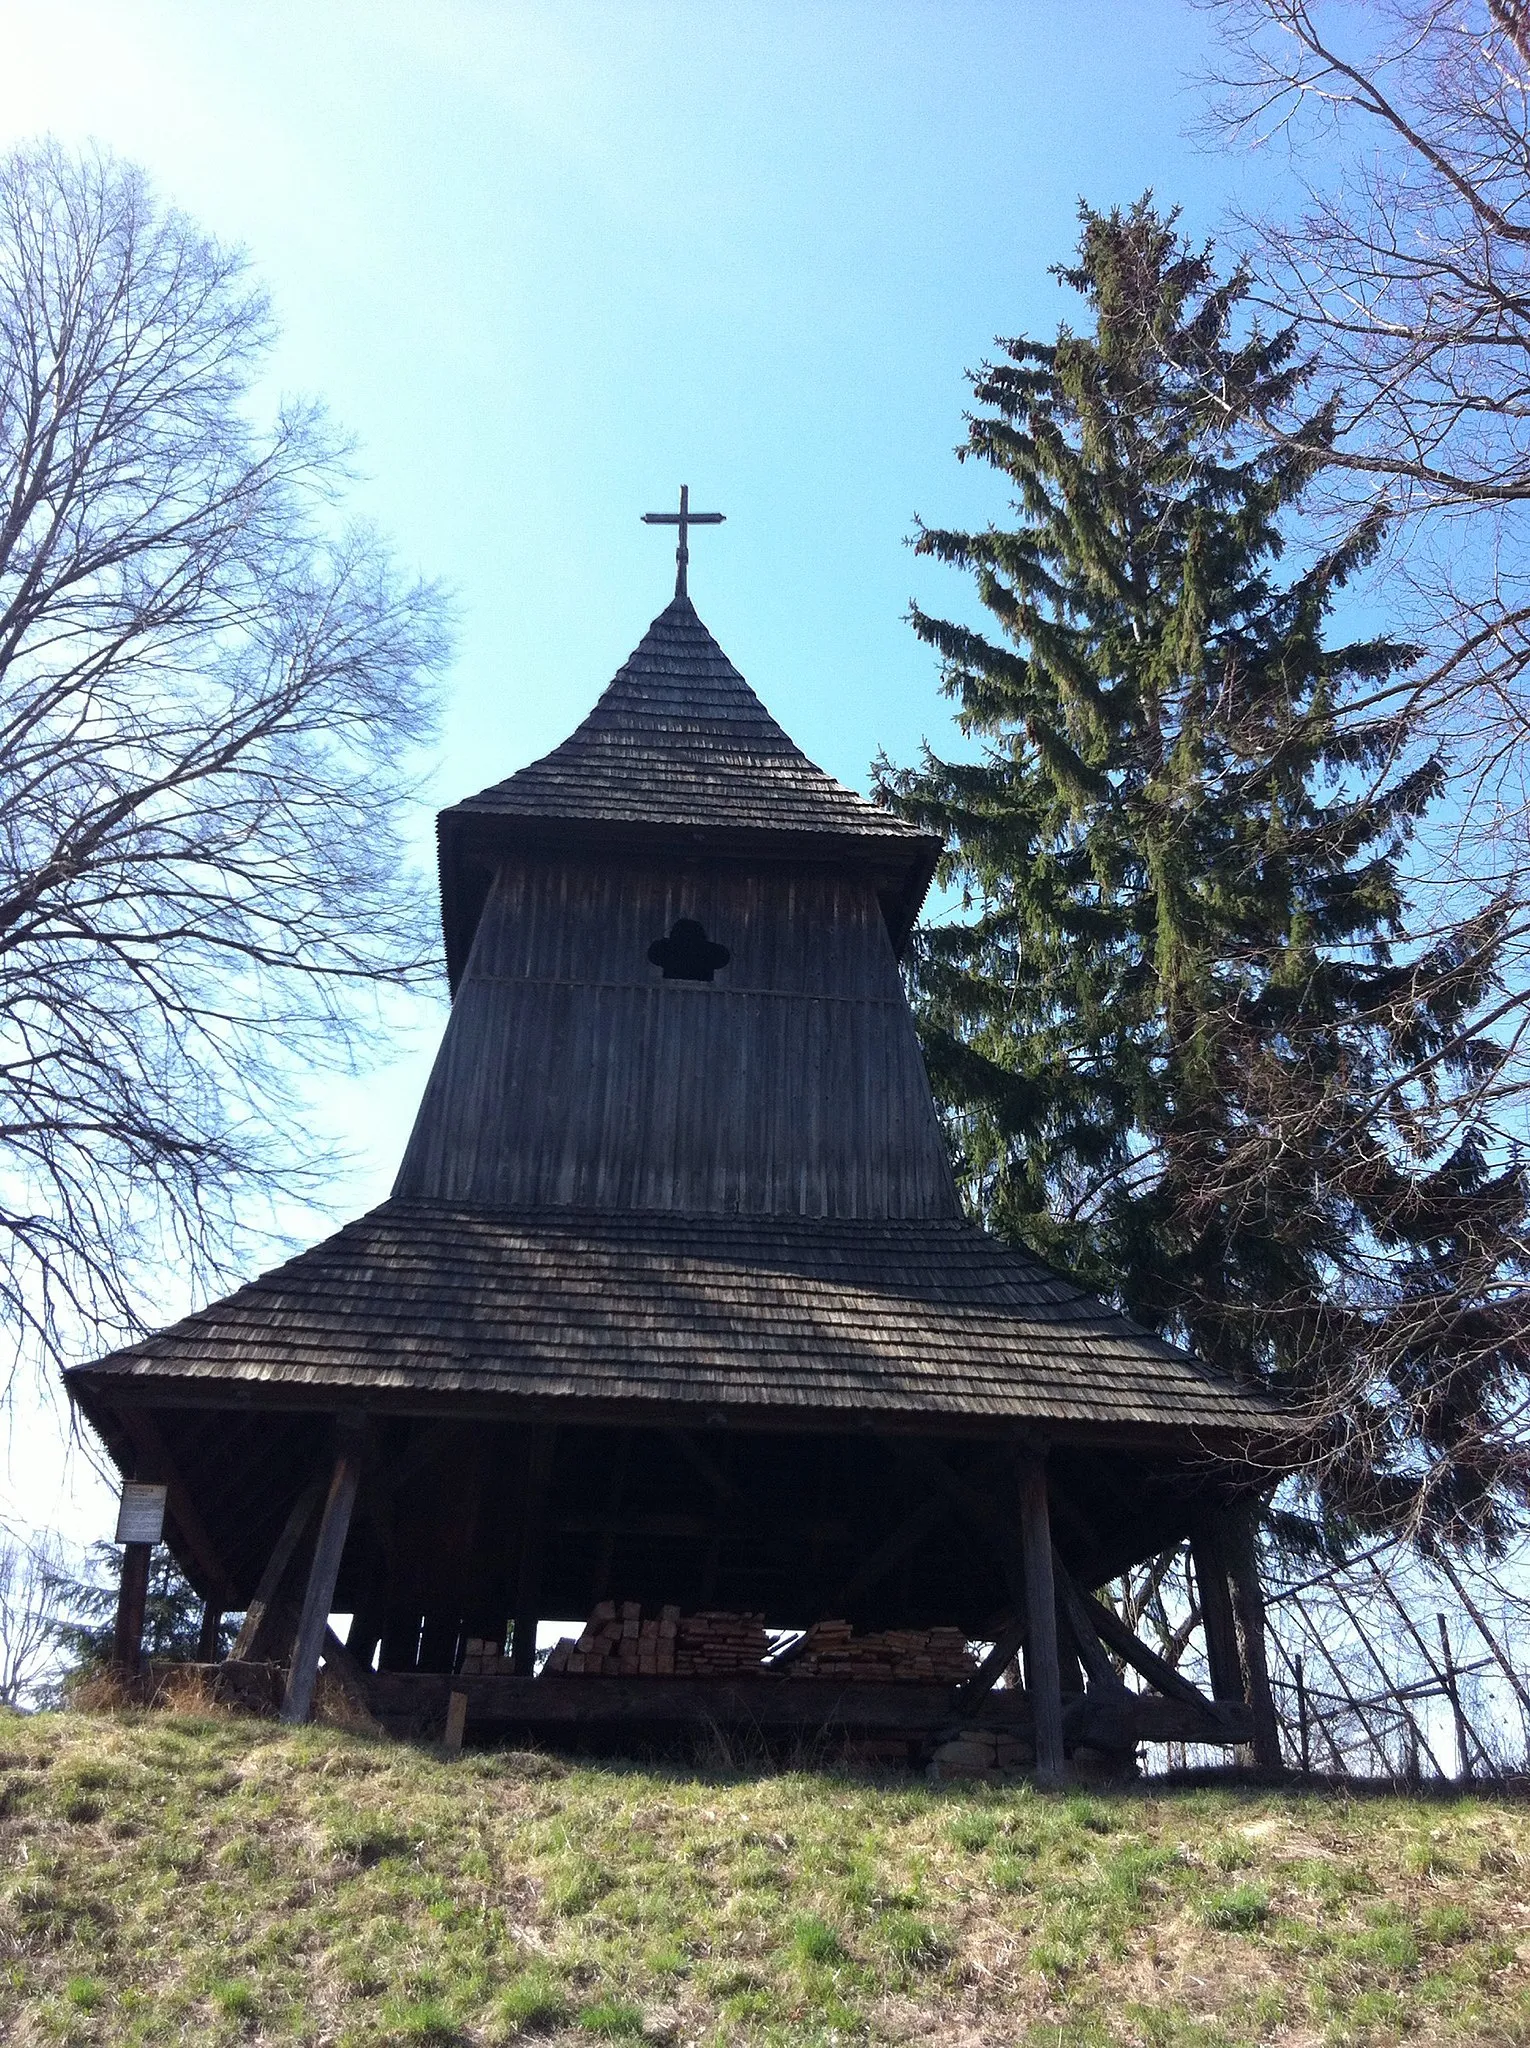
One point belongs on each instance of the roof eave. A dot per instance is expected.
(98, 1389)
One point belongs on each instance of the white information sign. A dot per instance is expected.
(141, 1515)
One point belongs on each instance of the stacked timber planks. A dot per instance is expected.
(617, 1642)
(482, 1657)
(911, 1656)
(620, 1642)
(717, 1645)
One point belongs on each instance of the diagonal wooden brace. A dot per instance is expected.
(255, 1631)
(1079, 1613)
(1007, 1646)
(1115, 1634)
(313, 1624)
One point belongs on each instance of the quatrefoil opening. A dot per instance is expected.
(688, 954)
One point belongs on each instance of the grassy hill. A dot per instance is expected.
(173, 1879)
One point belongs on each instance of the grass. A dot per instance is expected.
(167, 1879)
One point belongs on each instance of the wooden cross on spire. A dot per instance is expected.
(685, 519)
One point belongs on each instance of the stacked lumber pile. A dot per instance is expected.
(716, 1645)
(892, 1656)
(618, 1642)
(482, 1657)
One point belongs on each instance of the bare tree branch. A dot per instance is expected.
(210, 692)
(1407, 270)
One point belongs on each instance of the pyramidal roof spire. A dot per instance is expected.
(678, 738)
(678, 753)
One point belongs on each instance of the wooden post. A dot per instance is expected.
(1042, 1675)
(211, 1630)
(456, 1720)
(334, 1525)
(1224, 1665)
(1237, 1532)
(1521, 1692)
(1070, 1668)
(1301, 1719)
(132, 1599)
(528, 1583)
(1453, 1694)
(1003, 1653)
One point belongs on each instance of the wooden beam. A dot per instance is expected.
(1223, 1662)
(1116, 1635)
(1043, 1680)
(977, 1507)
(132, 1600)
(251, 1643)
(1098, 1669)
(798, 1705)
(353, 1680)
(528, 1581)
(903, 1541)
(334, 1526)
(153, 1454)
(1006, 1647)
(456, 1721)
(725, 1489)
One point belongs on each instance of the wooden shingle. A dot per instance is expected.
(776, 1315)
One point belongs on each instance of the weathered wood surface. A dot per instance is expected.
(1079, 1615)
(1043, 1681)
(201, 1558)
(784, 1315)
(132, 1599)
(1239, 1545)
(780, 1705)
(735, 1217)
(679, 748)
(572, 1072)
(319, 1594)
(1214, 1594)
(254, 1640)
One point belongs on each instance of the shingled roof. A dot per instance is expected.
(933, 1318)
(679, 748)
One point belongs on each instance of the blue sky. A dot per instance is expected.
(547, 261)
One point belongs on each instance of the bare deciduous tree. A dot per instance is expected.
(31, 1575)
(1408, 270)
(210, 689)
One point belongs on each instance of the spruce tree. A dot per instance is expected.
(1189, 1039)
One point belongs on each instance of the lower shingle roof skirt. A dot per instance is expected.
(930, 1317)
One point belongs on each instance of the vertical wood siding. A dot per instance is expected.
(571, 1072)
